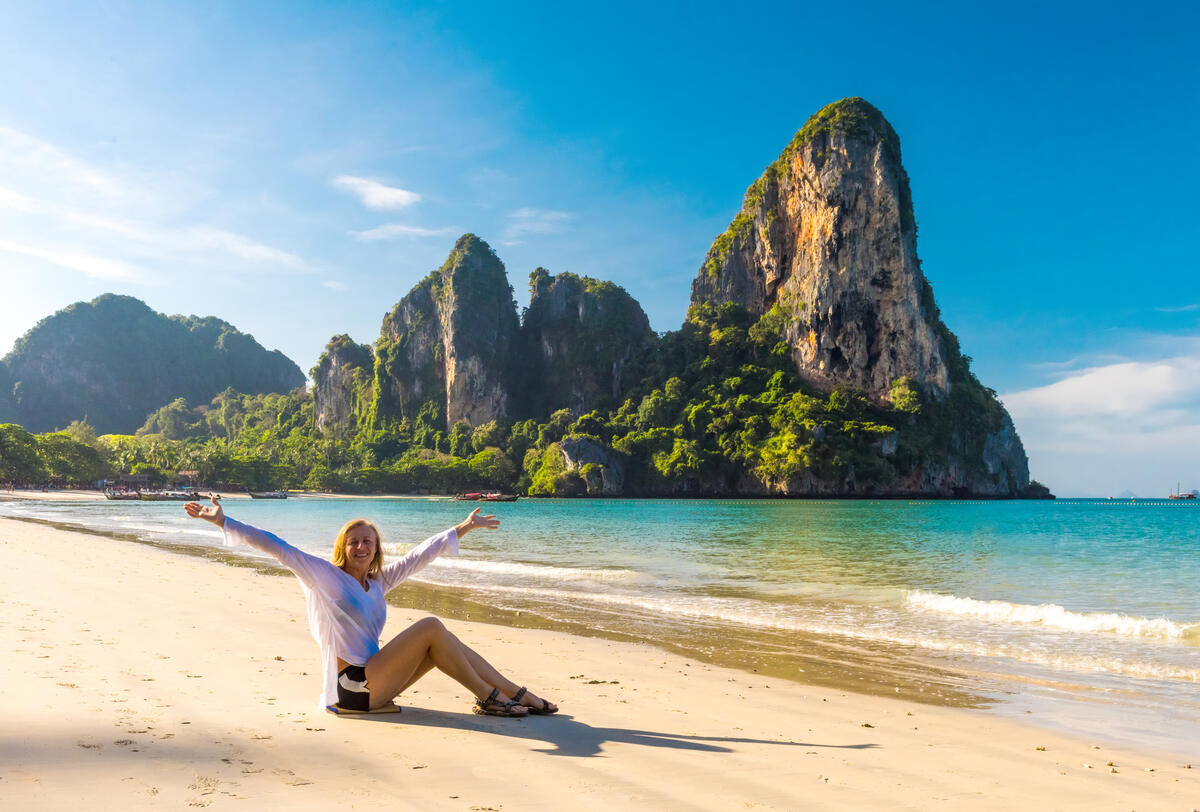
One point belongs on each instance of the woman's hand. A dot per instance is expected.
(475, 520)
(209, 513)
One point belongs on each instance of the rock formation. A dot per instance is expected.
(827, 235)
(114, 360)
(582, 340)
(450, 339)
(342, 383)
(603, 471)
(825, 244)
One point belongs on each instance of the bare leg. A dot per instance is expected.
(490, 675)
(402, 661)
(424, 668)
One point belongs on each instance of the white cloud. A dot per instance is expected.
(535, 221)
(1104, 429)
(57, 206)
(375, 195)
(1117, 389)
(25, 152)
(98, 267)
(334, 285)
(1179, 309)
(391, 231)
(207, 237)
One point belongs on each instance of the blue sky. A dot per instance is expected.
(295, 168)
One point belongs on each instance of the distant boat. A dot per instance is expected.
(122, 496)
(1180, 494)
(473, 496)
(168, 496)
(268, 495)
(500, 497)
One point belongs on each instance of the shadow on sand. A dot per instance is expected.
(569, 737)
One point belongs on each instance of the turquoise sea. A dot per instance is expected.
(1080, 614)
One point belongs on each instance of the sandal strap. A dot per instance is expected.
(517, 696)
(491, 699)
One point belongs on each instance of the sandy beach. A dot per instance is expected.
(140, 678)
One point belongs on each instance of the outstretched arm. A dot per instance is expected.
(308, 568)
(432, 547)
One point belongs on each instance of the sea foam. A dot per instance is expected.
(1053, 616)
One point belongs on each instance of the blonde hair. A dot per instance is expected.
(339, 546)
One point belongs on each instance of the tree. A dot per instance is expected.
(82, 432)
(64, 457)
(155, 475)
(492, 469)
(489, 434)
(19, 460)
(460, 439)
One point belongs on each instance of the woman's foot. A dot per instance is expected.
(536, 705)
(495, 706)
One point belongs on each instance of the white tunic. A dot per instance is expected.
(345, 619)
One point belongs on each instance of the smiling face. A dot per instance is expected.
(357, 549)
(361, 544)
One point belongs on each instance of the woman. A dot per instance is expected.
(346, 612)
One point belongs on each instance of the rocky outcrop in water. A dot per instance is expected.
(825, 248)
(602, 471)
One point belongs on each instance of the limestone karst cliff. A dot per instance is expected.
(342, 384)
(113, 360)
(582, 341)
(825, 247)
(813, 362)
(827, 236)
(450, 341)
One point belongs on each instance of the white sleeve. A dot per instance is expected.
(418, 557)
(308, 568)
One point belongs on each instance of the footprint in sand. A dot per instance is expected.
(205, 785)
(290, 778)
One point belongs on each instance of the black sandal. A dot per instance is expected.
(492, 706)
(542, 711)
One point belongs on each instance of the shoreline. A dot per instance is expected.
(848, 673)
(862, 665)
(181, 701)
(87, 493)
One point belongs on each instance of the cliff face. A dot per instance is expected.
(341, 383)
(827, 235)
(450, 339)
(114, 360)
(584, 339)
(407, 372)
(825, 244)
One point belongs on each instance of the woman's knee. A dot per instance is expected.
(430, 626)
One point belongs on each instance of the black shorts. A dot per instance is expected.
(353, 693)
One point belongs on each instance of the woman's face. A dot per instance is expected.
(360, 546)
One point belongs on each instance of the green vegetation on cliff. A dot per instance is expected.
(719, 411)
(113, 359)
